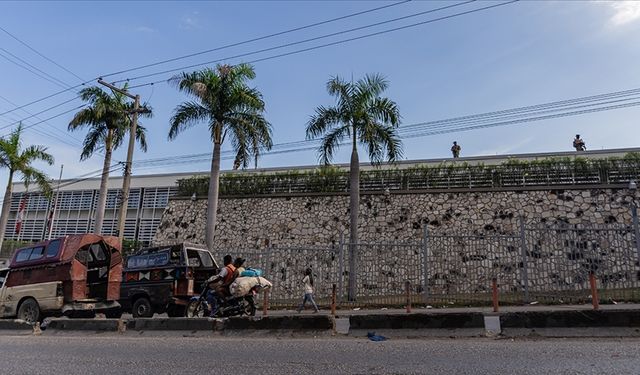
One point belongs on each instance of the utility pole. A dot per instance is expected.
(55, 204)
(126, 181)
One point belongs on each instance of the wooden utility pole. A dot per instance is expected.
(126, 181)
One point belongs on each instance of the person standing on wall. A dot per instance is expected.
(578, 144)
(455, 149)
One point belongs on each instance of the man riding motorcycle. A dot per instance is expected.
(219, 284)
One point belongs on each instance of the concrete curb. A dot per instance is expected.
(552, 323)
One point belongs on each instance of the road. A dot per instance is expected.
(112, 354)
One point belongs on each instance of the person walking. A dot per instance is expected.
(308, 291)
(578, 144)
(455, 149)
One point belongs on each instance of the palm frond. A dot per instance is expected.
(186, 115)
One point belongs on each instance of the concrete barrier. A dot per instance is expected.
(172, 324)
(571, 319)
(15, 325)
(417, 321)
(285, 323)
(98, 325)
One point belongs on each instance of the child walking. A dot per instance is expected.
(308, 291)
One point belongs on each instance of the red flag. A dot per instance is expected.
(21, 210)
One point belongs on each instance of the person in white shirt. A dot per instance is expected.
(308, 291)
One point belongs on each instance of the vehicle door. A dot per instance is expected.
(4, 273)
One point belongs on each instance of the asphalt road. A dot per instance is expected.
(112, 354)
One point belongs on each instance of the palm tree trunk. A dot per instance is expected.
(102, 195)
(212, 207)
(354, 206)
(6, 205)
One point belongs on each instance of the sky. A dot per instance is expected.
(520, 54)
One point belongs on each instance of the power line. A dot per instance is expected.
(148, 65)
(40, 54)
(36, 68)
(257, 38)
(290, 44)
(30, 70)
(46, 97)
(49, 118)
(570, 107)
(41, 112)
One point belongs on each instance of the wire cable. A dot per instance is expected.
(290, 44)
(40, 54)
(256, 39)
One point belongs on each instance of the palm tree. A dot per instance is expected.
(230, 108)
(108, 122)
(365, 117)
(19, 160)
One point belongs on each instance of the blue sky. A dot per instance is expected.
(525, 53)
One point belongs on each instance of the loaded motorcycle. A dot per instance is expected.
(198, 307)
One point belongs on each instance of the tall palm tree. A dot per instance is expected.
(367, 119)
(108, 122)
(18, 160)
(223, 100)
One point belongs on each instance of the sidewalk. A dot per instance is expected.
(460, 310)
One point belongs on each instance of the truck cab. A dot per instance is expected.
(71, 275)
(162, 279)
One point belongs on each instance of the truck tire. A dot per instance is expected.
(29, 311)
(142, 308)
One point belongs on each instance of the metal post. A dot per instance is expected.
(525, 269)
(425, 264)
(265, 302)
(407, 287)
(333, 299)
(341, 266)
(55, 205)
(636, 229)
(494, 294)
(594, 291)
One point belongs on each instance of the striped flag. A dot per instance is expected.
(21, 211)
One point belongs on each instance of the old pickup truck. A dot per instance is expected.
(71, 275)
(163, 279)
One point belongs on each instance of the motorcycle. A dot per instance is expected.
(198, 307)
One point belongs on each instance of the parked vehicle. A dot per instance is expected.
(75, 275)
(163, 279)
(228, 306)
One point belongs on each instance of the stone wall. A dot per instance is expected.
(284, 235)
(319, 220)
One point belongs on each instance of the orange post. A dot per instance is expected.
(407, 287)
(494, 294)
(265, 302)
(333, 300)
(594, 291)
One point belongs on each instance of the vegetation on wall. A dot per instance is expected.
(514, 172)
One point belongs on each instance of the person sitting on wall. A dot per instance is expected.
(578, 144)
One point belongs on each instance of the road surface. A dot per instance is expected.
(112, 354)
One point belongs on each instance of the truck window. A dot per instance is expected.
(52, 248)
(37, 253)
(23, 255)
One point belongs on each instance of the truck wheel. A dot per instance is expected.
(29, 311)
(142, 308)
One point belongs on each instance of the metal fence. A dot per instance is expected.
(538, 263)
(570, 172)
